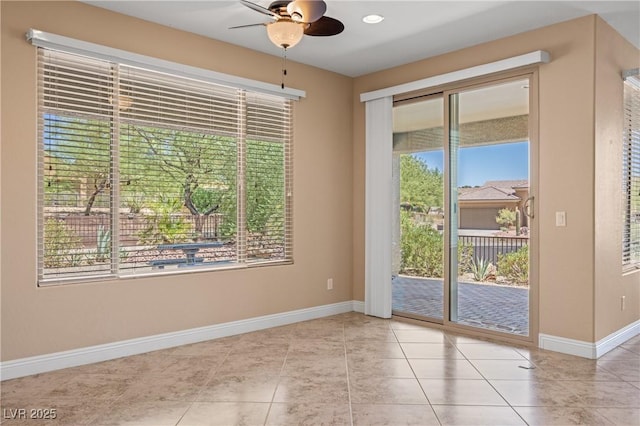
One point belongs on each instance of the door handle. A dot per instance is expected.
(528, 207)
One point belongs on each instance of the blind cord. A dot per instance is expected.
(284, 67)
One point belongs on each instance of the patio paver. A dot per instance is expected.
(494, 307)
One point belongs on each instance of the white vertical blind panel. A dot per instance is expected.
(378, 206)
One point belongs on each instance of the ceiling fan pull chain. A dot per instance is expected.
(284, 66)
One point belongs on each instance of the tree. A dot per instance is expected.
(77, 157)
(98, 181)
(200, 166)
(265, 187)
(420, 185)
(506, 217)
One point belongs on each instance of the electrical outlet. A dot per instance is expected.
(330, 284)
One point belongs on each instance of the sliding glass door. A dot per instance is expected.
(490, 206)
(418, 241)
(463, 207)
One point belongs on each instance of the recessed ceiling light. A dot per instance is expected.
(373, 19)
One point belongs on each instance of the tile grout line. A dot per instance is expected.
(212, 374)
(185, 412)
(415, 375)
(284, 362)
(346, 366)
(491, 384)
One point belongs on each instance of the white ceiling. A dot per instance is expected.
(411, 30)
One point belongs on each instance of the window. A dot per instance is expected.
(631, 174)
(142, 171)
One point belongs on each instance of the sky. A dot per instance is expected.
(477, 165)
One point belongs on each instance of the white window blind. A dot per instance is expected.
(631, 174)
(83, 48)
(143, 171)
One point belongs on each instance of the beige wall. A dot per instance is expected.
(613, 54)
(567, 155)
(44, 320)
(479, 215)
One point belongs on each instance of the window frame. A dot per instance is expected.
(242, 139)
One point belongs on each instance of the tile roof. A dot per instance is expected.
(487, 193)
(508, 184)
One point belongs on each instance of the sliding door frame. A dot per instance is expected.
(396, 211)
(487, 81)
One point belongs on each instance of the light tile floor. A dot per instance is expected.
(343, 370)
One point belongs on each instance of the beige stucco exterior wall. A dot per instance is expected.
(613, 55)
(566, 166)
(44, 320)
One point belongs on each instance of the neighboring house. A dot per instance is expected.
(479, 206)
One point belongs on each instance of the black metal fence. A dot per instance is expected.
(489, 247)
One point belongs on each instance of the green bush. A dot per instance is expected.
(422, 252)
(515, 265)
(421, 248)
(465, 258)
(60, 245)
(165, 226)
(506, 218)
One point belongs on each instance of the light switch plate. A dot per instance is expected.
(561, 219)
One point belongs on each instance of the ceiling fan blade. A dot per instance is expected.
(306, 10)
(246, 26)
(324, 27)
(260, 9)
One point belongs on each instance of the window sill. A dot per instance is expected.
(160, 273)
(630, 270)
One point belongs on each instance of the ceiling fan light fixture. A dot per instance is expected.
(285, 33)
(306, 10)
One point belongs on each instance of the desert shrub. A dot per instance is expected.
(506, 218)
(422, 252)
(421, 248)
(61, 245)
(103, 244)
(465, 258)
(481, 269)
(165, 225)
(134, 204)
(515, 265)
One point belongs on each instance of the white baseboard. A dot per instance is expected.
(358, 306)
(587, 349)
(566, 346)
(88, 355)
(617, 338)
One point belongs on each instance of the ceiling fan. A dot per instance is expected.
(293, 19)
